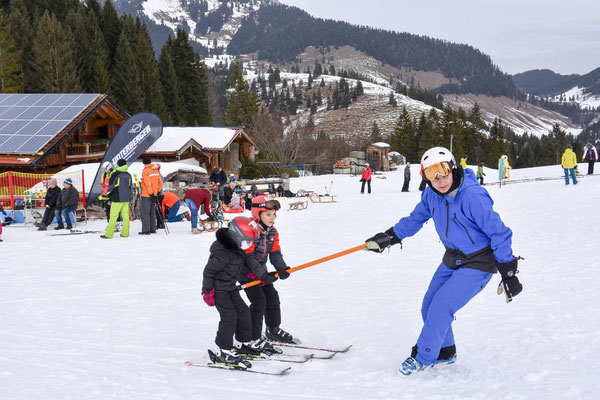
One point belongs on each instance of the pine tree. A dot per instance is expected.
(11, 76)
(322, 84)
(89, 46)
(111, 28)
(54, 70)
(126, 85)
(242, 104)
(318, 68)
(170, 87)
(375, 133)
(100, 79)
(403, 138)
(331, 70)
(392, 100)
(192, 81)
(149, 76)
(22, 34)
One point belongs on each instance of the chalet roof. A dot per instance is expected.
(207, 138)
(33, 124)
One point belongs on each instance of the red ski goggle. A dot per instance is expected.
(272, 205)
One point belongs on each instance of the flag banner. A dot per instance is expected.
(133, 138)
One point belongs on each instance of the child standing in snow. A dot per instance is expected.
(480, 173)
(219, 288)
(264, 299)
(477, 242)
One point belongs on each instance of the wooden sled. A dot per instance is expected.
(298, 205)
(322, 198)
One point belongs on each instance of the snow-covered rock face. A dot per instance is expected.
(190, 13)
(577, 95)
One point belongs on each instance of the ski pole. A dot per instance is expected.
(161, 216)
(308, 264)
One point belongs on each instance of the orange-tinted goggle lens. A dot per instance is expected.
(441, 169)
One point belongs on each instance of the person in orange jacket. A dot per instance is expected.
(170, 207)
(151, 187)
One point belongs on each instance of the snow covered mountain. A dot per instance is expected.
(273, 34)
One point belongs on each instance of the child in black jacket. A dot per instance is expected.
(219, 288)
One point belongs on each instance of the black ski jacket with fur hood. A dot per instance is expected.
(224, 264)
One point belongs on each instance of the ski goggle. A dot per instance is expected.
(272, 205)
(435, 170)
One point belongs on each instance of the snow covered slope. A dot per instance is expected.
(86, 318)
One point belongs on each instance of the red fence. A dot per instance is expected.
(31, 188)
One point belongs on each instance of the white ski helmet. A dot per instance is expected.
(437, 155)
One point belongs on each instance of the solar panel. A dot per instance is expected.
(34, 143)
(29, 121)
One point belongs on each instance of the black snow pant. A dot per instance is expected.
(362, 188)
(480, 180)
(405, 186)
(235, 319)
(591, 167)
(148, 215)
(264, 301)
(48, 216)
(159, 218)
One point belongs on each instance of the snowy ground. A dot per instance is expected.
(86, 318)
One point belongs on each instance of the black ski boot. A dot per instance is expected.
(228, 357)
(276, 334)
(265, 347)
(247, 351)
(447, 354)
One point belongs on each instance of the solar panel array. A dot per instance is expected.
(29, 121)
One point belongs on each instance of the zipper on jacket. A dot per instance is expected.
(465, 228)
(433, 212)
(447, 217)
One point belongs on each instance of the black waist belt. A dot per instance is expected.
(482, 260)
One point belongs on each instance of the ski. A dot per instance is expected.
(238, 368)
(289, 358)
(73, 232)
(297, 346)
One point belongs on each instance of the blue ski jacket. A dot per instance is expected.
(466, 222)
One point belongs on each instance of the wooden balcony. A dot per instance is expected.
(86, 151)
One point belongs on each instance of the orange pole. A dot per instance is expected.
(308, 264)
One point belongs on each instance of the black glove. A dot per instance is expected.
(269, 278)
(153, 197)
(510, 284)
(283, 273)
(382, 241)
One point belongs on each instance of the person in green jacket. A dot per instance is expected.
(480, 173)
(569, 164)
(119, 192)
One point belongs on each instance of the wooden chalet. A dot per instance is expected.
(377, 156)
(210, 146)
(45, 133)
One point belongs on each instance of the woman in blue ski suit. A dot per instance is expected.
(477, 242)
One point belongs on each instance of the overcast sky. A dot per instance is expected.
(519, 35)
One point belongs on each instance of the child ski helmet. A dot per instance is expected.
(263, 203)
(434, 158)
(243, 230)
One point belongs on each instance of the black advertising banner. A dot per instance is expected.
(133, 138)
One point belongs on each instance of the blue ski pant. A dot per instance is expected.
(572, 172)
(449, 291)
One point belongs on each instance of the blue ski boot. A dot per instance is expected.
(411, 365)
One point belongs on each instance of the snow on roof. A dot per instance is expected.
(210, 138)
(166, 169)
(381, 144)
